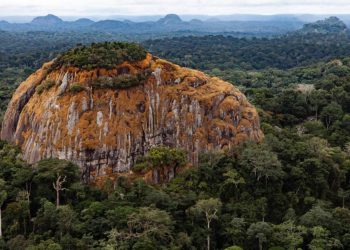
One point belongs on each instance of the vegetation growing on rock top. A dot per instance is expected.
(101, 55)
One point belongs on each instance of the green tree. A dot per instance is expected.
(54, 173)
(67, 220)
(114, 238)
(210, 209)
(343, 194)
(162, 160)
(262, 163)
(316, 216)
(318, 147)
(322, 240)
(317, 100)
(237, 229)
(289, 235)
(47, 218)
(331, 113)
(147, 224)
(261, 204)
(151, 223)
(233, 178)
(260, 231)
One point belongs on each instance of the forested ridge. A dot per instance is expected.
(290, 192)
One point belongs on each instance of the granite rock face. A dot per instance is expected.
(104, 129)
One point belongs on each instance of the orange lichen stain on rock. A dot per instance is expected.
(104, 130)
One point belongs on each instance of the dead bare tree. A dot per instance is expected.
(57, 185)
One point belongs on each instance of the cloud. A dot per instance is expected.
(154, 7)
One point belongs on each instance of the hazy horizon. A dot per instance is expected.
(161, 7)
(150, 17)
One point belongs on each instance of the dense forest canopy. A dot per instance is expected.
(290, 192)
(323, 40)
(251, 53)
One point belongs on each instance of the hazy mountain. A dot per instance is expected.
(170, 19)
(329, 25)
(245, 24)
(83, 22)
(47, 20)
(170, 23)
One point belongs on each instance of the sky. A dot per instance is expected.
(161, 7)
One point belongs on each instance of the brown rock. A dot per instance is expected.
(103, 130)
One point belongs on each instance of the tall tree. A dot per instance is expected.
(343, 194)
(331, 113)
(317, 100)
(262, 163)
(210, 209)
(58, 186)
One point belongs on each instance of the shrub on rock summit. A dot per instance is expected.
(101, 55)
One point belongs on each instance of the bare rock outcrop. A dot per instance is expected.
(103, 129)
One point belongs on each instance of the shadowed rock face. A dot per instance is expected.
(103, 130)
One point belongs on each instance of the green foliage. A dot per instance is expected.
(160, 157)
(19, 243)
(322, 240)
(289, 235)
(316, 216)
(76, 88)
(46, 245)
(48, 169)
(234, 248)
(101, 55)
(119, 82)
(260, 231)
(46, 85)
(262, 163)
(331, 113)
(3, 193)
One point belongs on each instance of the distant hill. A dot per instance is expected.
(170, 20)
(83, 22)
(329, 25)
(47, 20)
(110, 25)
